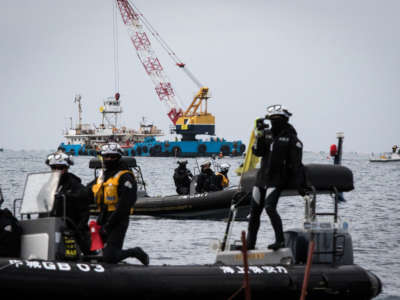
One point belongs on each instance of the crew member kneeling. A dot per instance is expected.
(115, 193)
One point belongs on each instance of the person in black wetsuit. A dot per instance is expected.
(75, 194)
(206, 181)
(182, 178)
(115, 193)
(281, 153)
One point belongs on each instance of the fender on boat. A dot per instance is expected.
(322, 177)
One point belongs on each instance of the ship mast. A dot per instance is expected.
(78, 99)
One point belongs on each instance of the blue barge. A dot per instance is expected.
(152, 147)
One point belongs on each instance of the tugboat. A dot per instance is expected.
(85, 139)
(265, 274)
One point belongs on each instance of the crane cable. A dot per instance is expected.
(165, 46)
(115, 42)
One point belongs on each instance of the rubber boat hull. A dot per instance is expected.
(40, 278)
(212, 205)
(215, 205)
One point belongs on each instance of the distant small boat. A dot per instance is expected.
(385, 157)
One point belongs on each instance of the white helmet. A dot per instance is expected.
(224, 167)
(59, 159)
(205, 162)
(277, 110)
(111, 148)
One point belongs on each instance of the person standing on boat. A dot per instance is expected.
(115, 193)
(281, 153)
(182, 178)
(206, 180)
(222, 176)
(394, 148)
(72, 196)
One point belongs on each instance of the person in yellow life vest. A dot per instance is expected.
(222, 176)
(115, 193)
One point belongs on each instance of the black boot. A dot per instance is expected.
(277, 245)
(138, 253)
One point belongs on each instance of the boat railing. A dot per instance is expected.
(312, 224)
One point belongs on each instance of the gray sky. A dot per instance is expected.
(334, 64)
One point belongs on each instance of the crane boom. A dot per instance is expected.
(195, 119)
(149, 60)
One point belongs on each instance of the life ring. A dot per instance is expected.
(176, 151)
(242, 148)
(145, 150)
(225, 150)
(202, 148)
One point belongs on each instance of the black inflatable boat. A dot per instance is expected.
(55, 278)
(271, 274)
(214, 205)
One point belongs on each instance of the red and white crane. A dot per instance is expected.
(193, 120)
(149, 59)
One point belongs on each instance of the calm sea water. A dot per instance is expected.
(372, 210)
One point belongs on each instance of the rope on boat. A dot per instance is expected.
(308, 268)
(246, 284)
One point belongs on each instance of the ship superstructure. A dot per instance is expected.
(86, 138)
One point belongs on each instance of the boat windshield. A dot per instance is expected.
(39, 192)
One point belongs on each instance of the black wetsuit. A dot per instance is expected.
(76, 206)
(281, 153)
(182, 178)
(206, 181)
(114, 224)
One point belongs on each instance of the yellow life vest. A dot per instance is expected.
(107, 192)
(224, 181)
